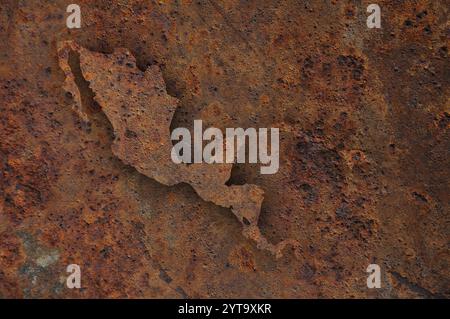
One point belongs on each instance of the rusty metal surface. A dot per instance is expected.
(364, 147)
(140, 111)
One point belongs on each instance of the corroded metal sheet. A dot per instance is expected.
(140, 111)
(364, 171)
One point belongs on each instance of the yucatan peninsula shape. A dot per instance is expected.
(140, 111)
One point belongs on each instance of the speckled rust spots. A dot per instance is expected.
(242, 259)
(140, 111)
(364, 150)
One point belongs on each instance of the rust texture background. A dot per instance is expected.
(364, 151)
